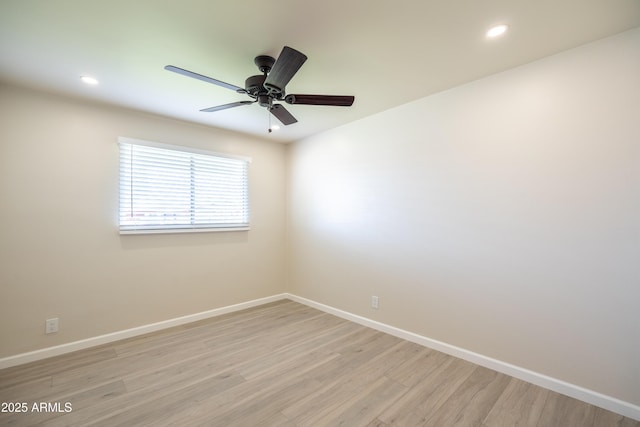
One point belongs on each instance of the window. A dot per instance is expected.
(166, 188)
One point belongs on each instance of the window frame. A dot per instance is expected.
(180, 228)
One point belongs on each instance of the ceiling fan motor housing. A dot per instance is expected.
(254, 85)
(255, 88)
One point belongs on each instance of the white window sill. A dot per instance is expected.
(182, 230)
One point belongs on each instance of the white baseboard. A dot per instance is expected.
(592, 397)
(44, 353)
(589, 396)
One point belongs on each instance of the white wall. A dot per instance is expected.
(502, 216)
(60, 251)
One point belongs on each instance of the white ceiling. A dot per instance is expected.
(386, 53)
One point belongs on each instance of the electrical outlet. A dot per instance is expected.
(51, 326)
(375, 302)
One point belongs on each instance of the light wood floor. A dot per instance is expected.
(281, 364)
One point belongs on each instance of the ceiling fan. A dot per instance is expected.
(269, 87)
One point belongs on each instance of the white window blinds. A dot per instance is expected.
(168, 188)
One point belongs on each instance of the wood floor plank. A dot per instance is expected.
(472, 400)
(82, 415)
(428, 396)
(520, 405)
(253, 397)
(560, 410)
(281, 364)
(29, 388)
(415, 368)
(152, 412)
(363, 407)
(354, 370)
(377, 423)
(46, 368)
(84, 398)
(605, 418)
(111, 369)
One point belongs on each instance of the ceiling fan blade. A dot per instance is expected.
(282, 114)
(286, 66)
(203, 78)
(332, 100)
(225, 106)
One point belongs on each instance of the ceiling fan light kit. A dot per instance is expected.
(269, 87)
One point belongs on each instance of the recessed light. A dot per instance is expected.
(89, 80)
(275, 127)
(498, 30)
